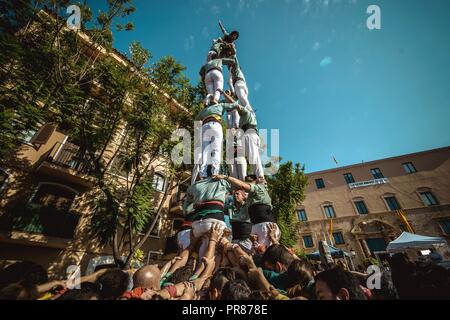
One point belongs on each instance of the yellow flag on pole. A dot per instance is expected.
(331, 231)
(402, 217)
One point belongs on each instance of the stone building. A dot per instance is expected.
(362, 207)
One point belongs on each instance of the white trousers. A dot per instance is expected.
(239, 168)
(251, 156)
(241, 91)
(262, 231)
(233, 119)
(212, 139)
(184, 239)
(203, 227)
(213, 82)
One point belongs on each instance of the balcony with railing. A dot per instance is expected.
(67, 161)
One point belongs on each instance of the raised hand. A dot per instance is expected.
(272, 233)
(216, 232)
(247, 262)
(189, 291)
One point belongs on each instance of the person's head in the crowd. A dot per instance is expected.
(112, 284)
(240, 196)
(218, 282)
(432, 282)
(419, 281)
(387, 290)
(25, 271)
(87, 291)
(337, 284)
(277, 258)
(147, 277)
(298, 274)
(19, 291)
(236, 290)
(184, 273)
(401, 263)
(250, 178)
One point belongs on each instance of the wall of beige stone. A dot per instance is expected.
(433, 174)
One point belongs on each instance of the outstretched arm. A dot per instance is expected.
(228, 98)
(234, 182)
(224, 31)
(43, 288)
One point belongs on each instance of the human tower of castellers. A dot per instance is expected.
(243, 197)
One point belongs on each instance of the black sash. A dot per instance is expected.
(241, 230)
(260, 213)
(248, 127)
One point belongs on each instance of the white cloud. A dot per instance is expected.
(317, 5)
(326, 62)
(205, 33)
(215, 10)
(306, 6)
(189, 43)
(257, 86)
(316, 46)
(198, 11)
(247, 7)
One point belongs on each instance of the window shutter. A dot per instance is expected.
(44, 133)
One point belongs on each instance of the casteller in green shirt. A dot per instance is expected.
(259, 194)
(216, 110)
(207, 190)
(247, 117)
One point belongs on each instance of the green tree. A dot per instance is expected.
(287, 190)
(115, 113)
(139, 110)
(43, 66)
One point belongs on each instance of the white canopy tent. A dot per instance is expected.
(413, 241)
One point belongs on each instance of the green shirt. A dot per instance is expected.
(237, 74)
(215, 64)
(258, 195)
(207, 190)
(278, 280)
(218, 45)
(248, 117)
(235, 214)
(188, 208)
(216, 110)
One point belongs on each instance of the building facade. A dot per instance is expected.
(47, 196)
(361, 208)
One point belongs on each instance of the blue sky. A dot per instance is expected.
(317, 73)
